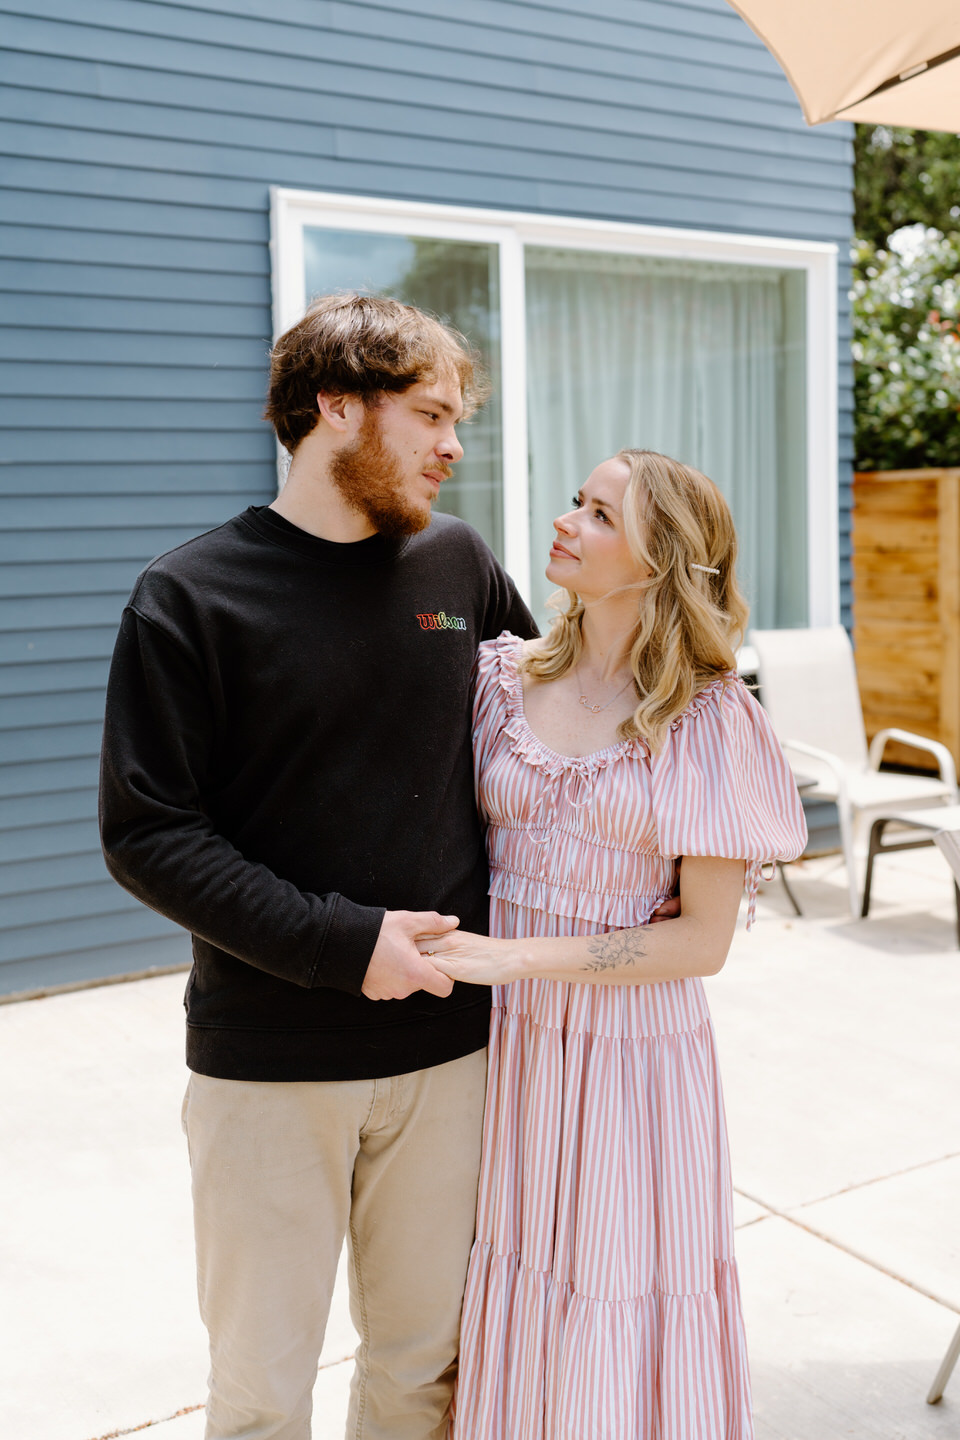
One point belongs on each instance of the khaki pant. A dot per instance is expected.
(281, 1173)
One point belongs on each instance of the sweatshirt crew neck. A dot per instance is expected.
(286, 756)
(373, 550)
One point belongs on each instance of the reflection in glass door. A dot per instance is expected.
(458, 281)
(702, 361)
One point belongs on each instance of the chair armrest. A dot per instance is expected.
(828, 758)
(948, 842)
(948, 771)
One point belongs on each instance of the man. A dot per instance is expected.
(287, 774)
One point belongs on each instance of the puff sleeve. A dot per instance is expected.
(489, 699)
(722, 787)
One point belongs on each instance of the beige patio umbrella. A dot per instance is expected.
(887, 62)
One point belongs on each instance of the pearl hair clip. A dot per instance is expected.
(707, 569)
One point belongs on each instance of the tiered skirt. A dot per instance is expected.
(602, 1298)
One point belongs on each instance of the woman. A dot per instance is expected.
(602, 1298)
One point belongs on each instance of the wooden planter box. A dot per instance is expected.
(906, 604)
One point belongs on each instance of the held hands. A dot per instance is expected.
(482, 960)
(398, 966)
(475, 959)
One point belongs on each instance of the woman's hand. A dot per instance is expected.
(474, 959)
(695, 942)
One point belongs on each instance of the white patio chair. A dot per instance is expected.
(808, 686)
(948, 841)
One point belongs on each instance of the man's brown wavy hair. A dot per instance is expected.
(363, 345)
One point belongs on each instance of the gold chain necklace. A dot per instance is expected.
(596, 709)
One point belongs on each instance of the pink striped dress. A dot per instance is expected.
(602, 1300)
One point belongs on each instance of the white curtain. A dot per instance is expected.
(697, 360)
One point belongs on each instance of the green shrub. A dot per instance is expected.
(906, 350)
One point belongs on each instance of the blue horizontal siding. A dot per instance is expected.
(114, 927)
(281, 115)
(181, 39)
(46, 808)
(46, 611)
(45, 777)
(48, 874)
(55, 277)
(34, 842)
(73, 966)
(38, 710)
(53, 677)
(489, 31)
(71, 902)
(672, 204)
(151, 138)
(124, 251)
(114, 382)
(49, 776)
(88, 197)
(134, 491)
(76, 578)
(138, 139)
(109, 445)
(92, 184)
(497, 87)
(18, 647)
(143, 317)
(55, 343)
(76, 545)
(28, 413)
(546, 146)
(661, 174)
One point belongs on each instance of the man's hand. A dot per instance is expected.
(397, 969)
(669, 909)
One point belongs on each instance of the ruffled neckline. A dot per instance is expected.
(535, 751)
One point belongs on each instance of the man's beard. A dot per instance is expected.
(370, 479)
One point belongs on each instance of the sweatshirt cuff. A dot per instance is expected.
(348, 943)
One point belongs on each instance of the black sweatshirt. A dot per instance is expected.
(287, 754)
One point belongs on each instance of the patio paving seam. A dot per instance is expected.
(855, 1254)
(874, 1180)
(149, 1424)
(337, 1360)
(192, 1409)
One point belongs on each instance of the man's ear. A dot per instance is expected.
(341, 412)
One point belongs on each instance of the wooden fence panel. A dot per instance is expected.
(906, 604)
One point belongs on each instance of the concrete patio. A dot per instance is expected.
(841, 1049)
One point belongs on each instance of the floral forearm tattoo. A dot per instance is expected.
(616, 951)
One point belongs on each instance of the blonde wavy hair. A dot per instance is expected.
(689, 622)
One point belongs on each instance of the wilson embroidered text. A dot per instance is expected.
(441, 621)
